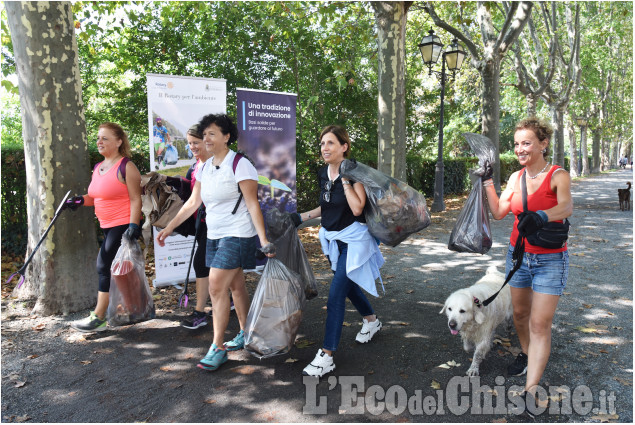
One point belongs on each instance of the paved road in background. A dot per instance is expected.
(147, 372)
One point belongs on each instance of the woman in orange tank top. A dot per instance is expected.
(538, 284)
(115, 192)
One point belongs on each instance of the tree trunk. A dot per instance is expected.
(573, 153)
(61, 276)
(390, 18)
(585, 151)
(557, 144)
(595, 150)
(490, 120)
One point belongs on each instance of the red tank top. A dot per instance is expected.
(112, 202)
(542, 199)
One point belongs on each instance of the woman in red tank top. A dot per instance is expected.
(115, 192)
(538, 284)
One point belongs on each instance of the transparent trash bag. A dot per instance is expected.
(289, 249)
(130, 299)
(393, 209)
(472, 231)
(171, 155)
(275, 313)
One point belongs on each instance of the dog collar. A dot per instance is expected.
(478, 303)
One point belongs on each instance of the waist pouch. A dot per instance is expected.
(551, 236)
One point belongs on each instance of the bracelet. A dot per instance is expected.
(488, 183)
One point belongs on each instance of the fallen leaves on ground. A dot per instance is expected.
(303, 343)
(244, 370)
(605, 417)
(290, 360)
(209, 401)
(434, 384)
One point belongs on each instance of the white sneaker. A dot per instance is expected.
(369, 329)
(320, 366)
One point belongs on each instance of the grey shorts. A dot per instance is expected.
(231, 253)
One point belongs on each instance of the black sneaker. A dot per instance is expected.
(519, 367)
(195, 320)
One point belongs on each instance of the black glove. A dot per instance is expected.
(529, 223)
(296, 219)
(488, 171)
(73, 203)
(268, 249)
(133, 232)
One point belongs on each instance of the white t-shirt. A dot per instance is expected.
(219, 192)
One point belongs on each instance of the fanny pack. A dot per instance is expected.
(552, 235)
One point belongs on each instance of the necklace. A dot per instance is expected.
(103, 165)
(539, 173)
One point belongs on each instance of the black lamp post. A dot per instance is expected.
(582, 123)
(431, 48)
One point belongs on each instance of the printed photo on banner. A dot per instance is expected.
(176, 103)
(267, 133)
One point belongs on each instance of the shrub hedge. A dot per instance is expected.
(420, 175)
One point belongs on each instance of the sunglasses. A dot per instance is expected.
(328, 186)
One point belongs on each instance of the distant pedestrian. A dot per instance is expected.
(161, 140)
(537, 286)
(351, 250)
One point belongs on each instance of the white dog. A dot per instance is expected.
(475, 322)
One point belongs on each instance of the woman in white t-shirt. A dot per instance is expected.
(234, 222)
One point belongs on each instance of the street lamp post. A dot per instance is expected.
(582, 123)
(431, 48)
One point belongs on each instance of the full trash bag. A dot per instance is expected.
(472, 231)
(393, 209)
(289, 249)
(171, 155)
(276, 311)
(130, 299)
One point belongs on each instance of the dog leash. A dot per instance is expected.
(517, 259)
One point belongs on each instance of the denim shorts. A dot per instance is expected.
(231, 253)
(544, 273)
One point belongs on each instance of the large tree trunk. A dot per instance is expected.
(490, 120)
(390, 18)
(62, 275)
(557, 144)
(595, 150)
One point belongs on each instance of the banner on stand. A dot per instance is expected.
(175, 103)
(267, 133)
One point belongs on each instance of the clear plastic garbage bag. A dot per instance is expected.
(289, 249)
(171, 155)
(472, 231)
(130, 299)
(275, 313)
(393, 209)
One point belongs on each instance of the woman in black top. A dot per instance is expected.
(347, 244)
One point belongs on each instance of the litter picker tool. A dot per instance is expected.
(46, 232)
(183, 299)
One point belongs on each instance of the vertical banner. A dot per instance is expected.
(175, 103)
(267, 133)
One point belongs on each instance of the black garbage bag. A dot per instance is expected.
(472, 231)
(393, 209)
(289, 249)
(275, 313)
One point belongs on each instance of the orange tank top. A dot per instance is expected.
(112, 202)
(542, 199)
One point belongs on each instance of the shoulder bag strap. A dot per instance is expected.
(237, 158)
(122, 167)
(519, 248)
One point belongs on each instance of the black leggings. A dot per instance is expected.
(107, 252)
(199, 255)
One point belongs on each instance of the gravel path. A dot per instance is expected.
(147, 372)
